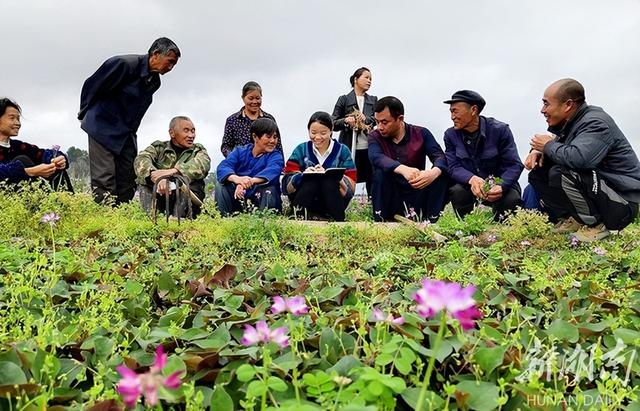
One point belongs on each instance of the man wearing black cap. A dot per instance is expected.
(482, 157)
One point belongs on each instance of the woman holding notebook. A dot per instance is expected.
(320, 175)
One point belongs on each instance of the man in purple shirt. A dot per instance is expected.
(401, 183)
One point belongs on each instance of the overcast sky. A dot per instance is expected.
(302, 52)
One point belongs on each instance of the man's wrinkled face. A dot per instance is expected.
(10, 122)
(388, 126)
(556, 112)
(162, 63)
(183, 134)
(462, 114)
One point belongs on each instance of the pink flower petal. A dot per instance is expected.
(173, 381)
(250, 336)
(298, 305)
(279, 305)
(125, 372)
(279, 336)
(377, 315)
(161, 359)
(467, 317)
(398, 320)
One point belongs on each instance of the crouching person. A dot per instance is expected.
(251, 173)
(178, 156)
(320, 176)
(21, 161)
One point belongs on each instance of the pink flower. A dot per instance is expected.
(378, 316)
(492, 238)
(574, 241)
(525, 243)
(600, 251)
(132, 385)
(436, 296)
(294, 305)
(50, 218)
(263, 334)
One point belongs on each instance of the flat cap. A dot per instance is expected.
(467, 96)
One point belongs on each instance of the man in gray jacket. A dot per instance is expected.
(586, 173)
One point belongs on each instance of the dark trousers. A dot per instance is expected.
(58, 180)
(392, 194)
(113, 174)
(364, 168)
(264, 197)
(463, 201)
(146, 193)
(583, 195)
(321, 197)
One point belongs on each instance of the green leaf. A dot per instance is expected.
(402, 365)
(375, 388)
(630, 337)
(277, 384)
(11, 374)
(133, 288)
(564, 331)
(256, 389)
(432, 401)
(489, 358)
(234, 302)
(221, 400)
(217, 339)
(483, 396)
(286, 362)
(174, 363)
(345, 365)
(246, 372)
(103, 346)
(384, 359)
(329, 293)
(397, 384)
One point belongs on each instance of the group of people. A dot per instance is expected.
(583, 172)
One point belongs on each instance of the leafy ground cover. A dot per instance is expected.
(104, 288)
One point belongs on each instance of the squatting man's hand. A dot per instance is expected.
(539, 141)
(477, 185)
(163, 185)
(424, 178)
(533, 160)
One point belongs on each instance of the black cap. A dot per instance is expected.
(467, 96)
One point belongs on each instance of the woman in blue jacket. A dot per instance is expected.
(250, 174)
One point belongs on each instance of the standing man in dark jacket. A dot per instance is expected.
(112, 103)
(401, 182)
(480, 149)
(587, 174)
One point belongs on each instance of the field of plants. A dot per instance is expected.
(100, 309)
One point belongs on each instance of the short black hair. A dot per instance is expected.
(249, 87)
(570, 89)
(396, 108)
(321, 117)
(263, 126)
(163, 46)
(5, 103)
(356, 75)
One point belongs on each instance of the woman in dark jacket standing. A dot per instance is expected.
(353, 118)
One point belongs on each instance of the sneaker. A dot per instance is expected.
(568, 225)
(588, 234)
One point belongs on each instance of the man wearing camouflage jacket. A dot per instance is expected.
(178, 156)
